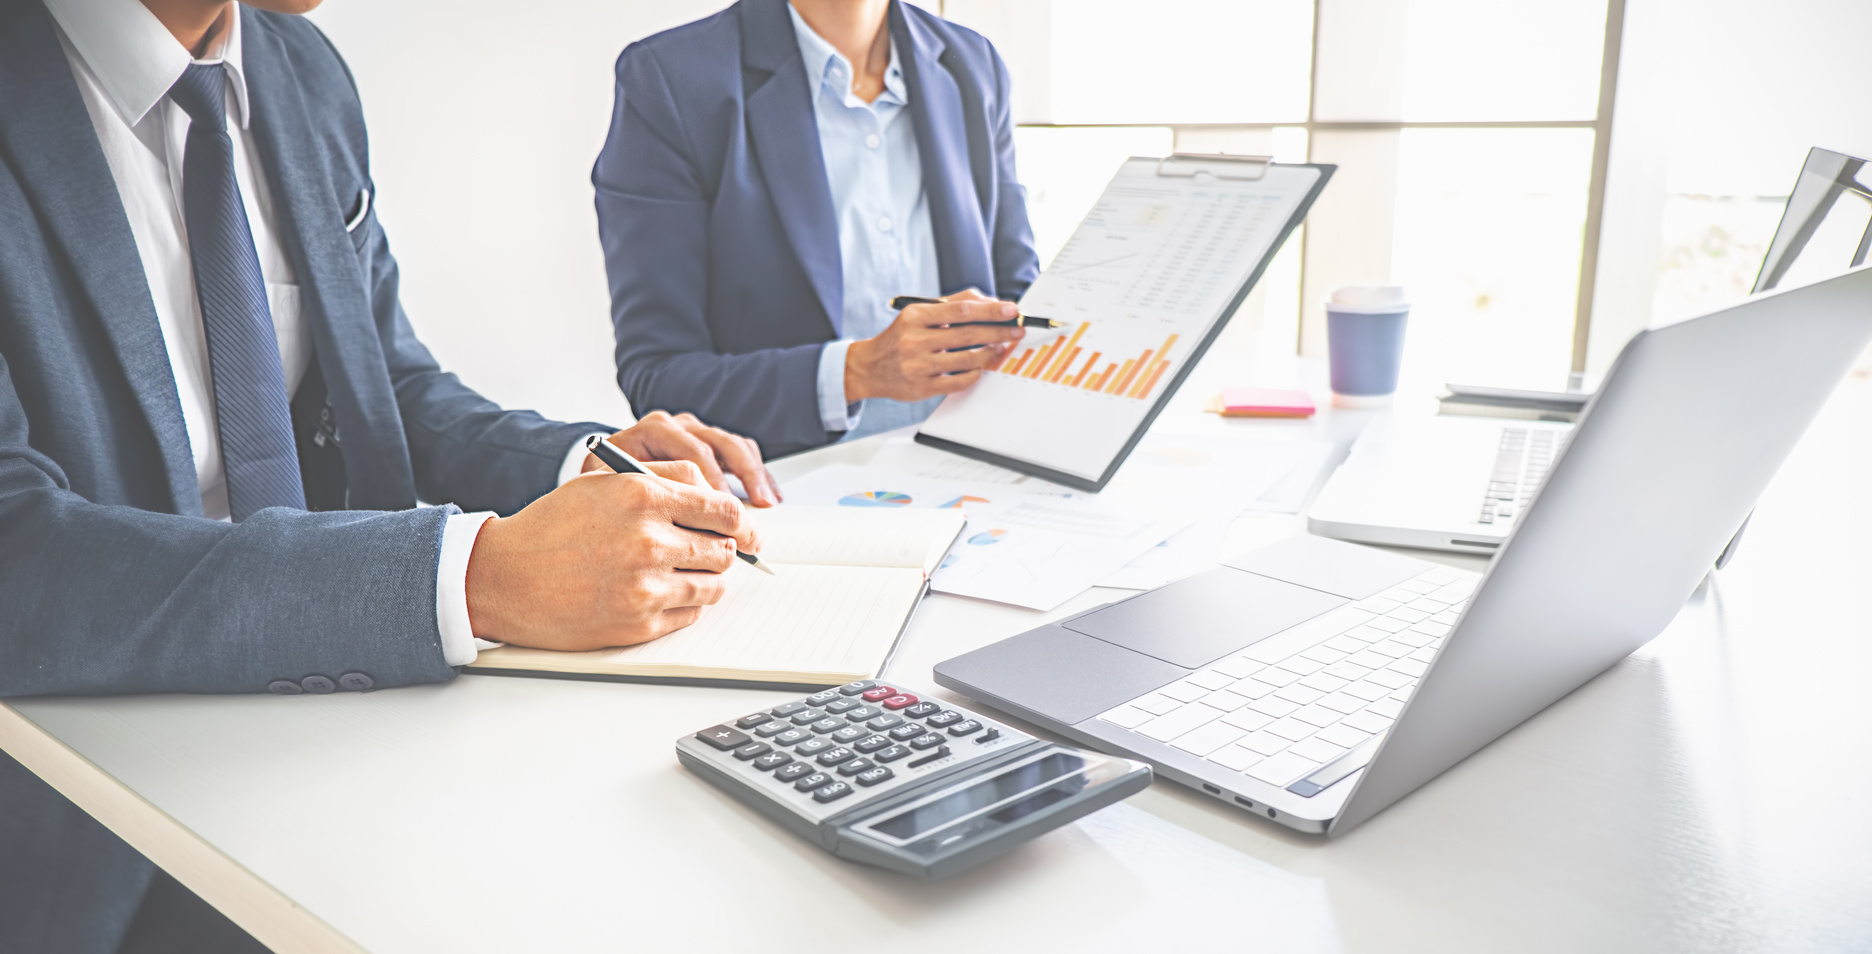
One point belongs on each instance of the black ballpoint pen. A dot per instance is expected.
(624, 463)
(1026, 321)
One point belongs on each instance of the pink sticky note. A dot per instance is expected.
(1265, 402)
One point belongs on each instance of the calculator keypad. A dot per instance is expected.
(861, 735)
(835, 756)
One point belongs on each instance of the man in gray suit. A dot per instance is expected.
(216, 425)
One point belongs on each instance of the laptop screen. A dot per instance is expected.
(1827, 226)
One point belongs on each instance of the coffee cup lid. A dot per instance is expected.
(1368, 295)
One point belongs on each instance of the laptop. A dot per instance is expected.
(1460, 483)
(1316, 682)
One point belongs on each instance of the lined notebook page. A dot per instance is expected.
(857, 536)
(806, 619)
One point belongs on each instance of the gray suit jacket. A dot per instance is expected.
(110, 579)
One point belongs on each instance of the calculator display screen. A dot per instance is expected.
(930, 816)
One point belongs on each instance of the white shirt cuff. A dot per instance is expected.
(458, 540)
(575, 460)
(835, 412)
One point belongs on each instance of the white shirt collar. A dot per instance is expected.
(136, 59)
(823, 59)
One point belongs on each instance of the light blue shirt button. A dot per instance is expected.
(884, 223)
(873, 140)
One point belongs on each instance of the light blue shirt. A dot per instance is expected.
(886, 244)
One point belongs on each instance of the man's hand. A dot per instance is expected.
(606, 560)
(917, 357)
(659, 435)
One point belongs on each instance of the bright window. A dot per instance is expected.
(1464, 132)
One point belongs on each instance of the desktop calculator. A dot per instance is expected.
(872, 773)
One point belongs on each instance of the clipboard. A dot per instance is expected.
(1145, 285)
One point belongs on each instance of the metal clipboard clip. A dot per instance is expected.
(1187, 165)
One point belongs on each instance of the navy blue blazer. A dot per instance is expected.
(717, 219)
(110, 579)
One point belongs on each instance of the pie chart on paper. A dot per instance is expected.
(875, 498)
(962, 501)
(986, 537)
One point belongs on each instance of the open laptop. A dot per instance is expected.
(1316, 682)
(1460, 483)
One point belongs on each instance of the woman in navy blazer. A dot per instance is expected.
(721, 238)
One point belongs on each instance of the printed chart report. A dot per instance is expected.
(1156, 265)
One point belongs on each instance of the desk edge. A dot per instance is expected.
(247, 900)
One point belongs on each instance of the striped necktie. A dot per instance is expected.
(251, 404)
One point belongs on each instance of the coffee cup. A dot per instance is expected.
(1365, 343)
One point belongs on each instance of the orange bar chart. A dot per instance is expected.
(1144, 387)
(1071, 347)
(1063, 365)
(1123, 384)
(1018, 362)
(1055, 362)
(1124, 373)
(1148, 380)
(1041, 360)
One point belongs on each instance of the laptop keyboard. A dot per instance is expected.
(1521, 460)
(1301, 698)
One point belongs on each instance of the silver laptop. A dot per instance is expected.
(1316, 682)
(1456, 483)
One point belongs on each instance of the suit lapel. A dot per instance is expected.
(942, 133)
(335, 304)
(785, 138)
(50, 143)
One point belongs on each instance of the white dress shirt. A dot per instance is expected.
(125, 61)
(887, 246)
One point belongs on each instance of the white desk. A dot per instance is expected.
(1707, 793)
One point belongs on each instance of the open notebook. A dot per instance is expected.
(845, 584)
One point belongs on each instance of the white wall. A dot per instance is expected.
(485, 117)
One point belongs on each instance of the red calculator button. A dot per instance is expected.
(879, 694)
(899, 701)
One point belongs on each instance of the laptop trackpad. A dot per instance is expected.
(1197, 620)
(1055, 673)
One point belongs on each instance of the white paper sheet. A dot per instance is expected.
(1033, 550)
(1222, 476)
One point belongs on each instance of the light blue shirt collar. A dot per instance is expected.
(835, 71)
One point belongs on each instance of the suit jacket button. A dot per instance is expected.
(317, 684)
(284, 687)
(356, 681)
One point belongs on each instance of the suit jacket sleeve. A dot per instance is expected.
(653, 222)
(1015, 262)
(109, 599)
